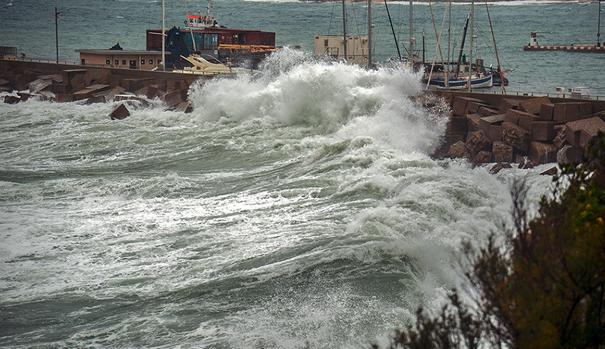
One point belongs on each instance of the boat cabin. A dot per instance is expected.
(126, 59)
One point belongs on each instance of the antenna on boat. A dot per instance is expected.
(209, 8)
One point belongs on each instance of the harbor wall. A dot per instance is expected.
(69, 82)
(527, 130)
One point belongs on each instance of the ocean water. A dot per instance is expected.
(296, 206)
(29, 25)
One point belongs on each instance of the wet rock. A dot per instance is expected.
(24, 96)
(120, 112)
(579, 133)
(476, 142)
(550, 172)
(483, 157)
(515, 136)
(11, 99)
(457, 150)
(542, 153)
(499, 167)
(502, 152)
(543, 131)
(569, 155)
(185, 107)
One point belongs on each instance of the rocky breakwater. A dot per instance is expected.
(64, 83)
(525, 130)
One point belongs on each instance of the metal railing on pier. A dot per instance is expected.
(541, 94)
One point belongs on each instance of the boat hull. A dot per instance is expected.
(460, 84)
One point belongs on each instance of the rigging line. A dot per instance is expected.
(438, 47)
(500, 69)
(393, 29)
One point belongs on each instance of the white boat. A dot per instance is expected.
(208, 66)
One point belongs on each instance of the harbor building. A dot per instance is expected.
(117, 58)
(333, 46)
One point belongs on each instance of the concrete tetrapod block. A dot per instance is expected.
(502, 152)
(569, 155)
(546, 111)
(483, 157)
(457, 150)
(533, 105)
(457, 125)
(542, 153)
(39, 85)
(120, 112)
(579, 133)
(477, 141)
(508, 103)
(571, 111)
(516, 136)
(488, 111)
(472, 122)
(543, 131)
(460, 104)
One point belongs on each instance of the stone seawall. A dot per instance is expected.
(488, 128)
(67, 83)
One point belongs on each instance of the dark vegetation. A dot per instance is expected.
(545, 286)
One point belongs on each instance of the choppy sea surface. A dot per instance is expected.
(295, 206)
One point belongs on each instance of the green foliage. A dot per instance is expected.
(545, 288)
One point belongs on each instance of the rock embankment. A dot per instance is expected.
(524, 130)
(62, 83)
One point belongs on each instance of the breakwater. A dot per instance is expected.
(68, 83)
(527, 130)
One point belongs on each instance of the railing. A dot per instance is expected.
(540, 94)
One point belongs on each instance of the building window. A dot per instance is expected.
(83, 62)
(159, 61)
(107, 61)
(151, 61)
(143, 61)
(133, 62)
(123, 62)
(117, 62)
(326, 42)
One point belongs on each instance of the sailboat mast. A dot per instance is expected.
(386, 5)
(412, 31)
(449, 37)
(163, 35)
(491, 27)
(344, 28)
(369, 33)
(470, 49)
(462, 46)
(599, 27)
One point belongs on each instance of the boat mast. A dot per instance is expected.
(491, 27)
(462, 46)
(393, 29)
(57, 13)
(412, 31)
(470, 49)
(344, 28)
(209, 9)
(369, 33)
(163, 35)
(449, 41)
(599, 27)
